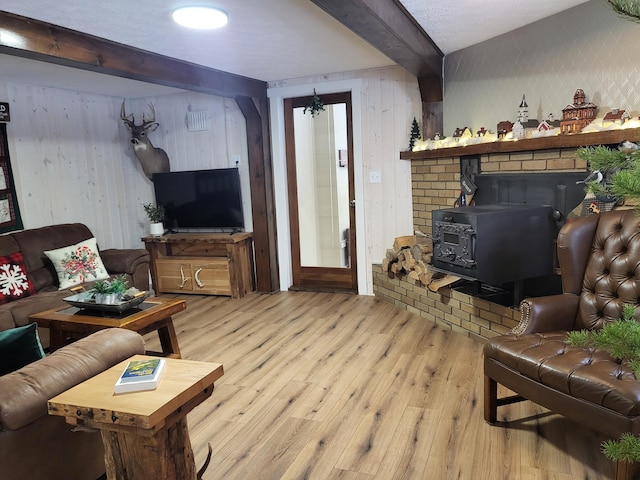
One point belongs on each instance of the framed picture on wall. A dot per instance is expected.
(10, 218)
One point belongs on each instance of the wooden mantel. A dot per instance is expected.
(542, 143)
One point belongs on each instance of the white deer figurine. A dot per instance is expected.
(152, 159)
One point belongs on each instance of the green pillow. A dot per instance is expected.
(19, 347)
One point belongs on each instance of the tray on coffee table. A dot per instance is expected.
(86, 301)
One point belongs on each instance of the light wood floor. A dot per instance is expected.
(337, 386)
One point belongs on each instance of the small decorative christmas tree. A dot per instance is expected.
(415, 134)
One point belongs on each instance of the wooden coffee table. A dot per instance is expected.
(145, 434)
(154, 314)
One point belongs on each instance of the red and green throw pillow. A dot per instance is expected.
(14, 281)
(77, 264)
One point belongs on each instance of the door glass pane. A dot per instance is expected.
(323, 186)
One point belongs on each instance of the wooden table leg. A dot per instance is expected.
(169, 339)
(165, 455)
(57, 339)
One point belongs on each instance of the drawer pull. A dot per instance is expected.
(184, 279)
(195, 276)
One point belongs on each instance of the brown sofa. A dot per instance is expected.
(599, 257)
(37, 446)
(34, 242)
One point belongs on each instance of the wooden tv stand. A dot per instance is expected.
(202, 263)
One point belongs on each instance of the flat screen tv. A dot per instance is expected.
(200, 199)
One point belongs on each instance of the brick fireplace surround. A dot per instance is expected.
(435, 178)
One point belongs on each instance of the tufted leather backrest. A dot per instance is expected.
(605, 251)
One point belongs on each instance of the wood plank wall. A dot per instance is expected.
(73, 162)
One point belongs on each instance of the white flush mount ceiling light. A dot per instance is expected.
(202, 18)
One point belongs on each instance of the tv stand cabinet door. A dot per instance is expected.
(211, 276)
(174, 276)
(204, 275)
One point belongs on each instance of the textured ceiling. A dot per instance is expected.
(268, 40)
(457, 24)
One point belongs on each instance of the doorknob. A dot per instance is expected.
(352, 204)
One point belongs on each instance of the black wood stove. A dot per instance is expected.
(494, 244)
(508, 237)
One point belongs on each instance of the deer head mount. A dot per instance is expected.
(152, 159)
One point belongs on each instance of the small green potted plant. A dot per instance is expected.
(110, 292)
(155, 212)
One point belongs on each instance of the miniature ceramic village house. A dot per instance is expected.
(577, 115)
(523, 125)
(503, 128)
(549, 124)
(616, 116)
(464, 132)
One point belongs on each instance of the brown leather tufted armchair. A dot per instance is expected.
(599, 257)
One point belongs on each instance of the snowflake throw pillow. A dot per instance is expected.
(14, 281)
(77, 264)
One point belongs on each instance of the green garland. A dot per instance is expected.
(629, 9)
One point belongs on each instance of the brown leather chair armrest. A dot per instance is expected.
(24, 393)
(547, 314)
(124, 260)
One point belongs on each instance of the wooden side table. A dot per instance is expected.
(145, 434)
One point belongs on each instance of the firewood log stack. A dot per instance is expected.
(411, 256)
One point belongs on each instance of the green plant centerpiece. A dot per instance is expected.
(621, 339)
(154, 211)
(110, 291)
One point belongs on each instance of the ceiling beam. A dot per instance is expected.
(28, 38)
(388, 26)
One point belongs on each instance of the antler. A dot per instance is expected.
(128, 119)
(131, 121)
(146, 122)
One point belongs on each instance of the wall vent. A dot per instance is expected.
(197, 121)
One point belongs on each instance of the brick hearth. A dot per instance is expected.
(450, 308)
